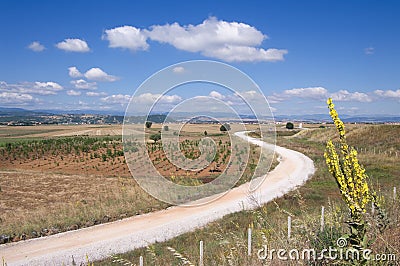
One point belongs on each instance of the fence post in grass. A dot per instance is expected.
(394, 193)
(141, 261)
(322, 218)
(372, 208)
(289, 226)
(249, 241)
(201, 262)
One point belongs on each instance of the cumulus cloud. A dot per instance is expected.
(228, 41)
(36, 46)
(320, 93)
(217, 95)
(73, 45)
(246, 53)
(95, 94)
(73, 93)
(388, 94)
(346, 96)
(98, 74)
(126, 37)
(83, 84)
(14, 98)
(311, 92)
(178, 69)
(73, 72)
(149, 98)
(48, 85)
(117, 99)
(42, 88)
(210, 33)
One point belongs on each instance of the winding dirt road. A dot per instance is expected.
(100, 241)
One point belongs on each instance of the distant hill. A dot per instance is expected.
(20, 114)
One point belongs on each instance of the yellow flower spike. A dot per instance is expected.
(347, 171)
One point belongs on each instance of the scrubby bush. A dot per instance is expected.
(155, 137)
(225, 127)
(289, 125)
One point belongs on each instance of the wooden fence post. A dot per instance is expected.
(249, 242)
(322, 218)
(201, 262)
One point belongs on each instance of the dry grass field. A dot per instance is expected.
(225, 241)
(58, 178)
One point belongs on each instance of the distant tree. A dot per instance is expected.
(321, 126)
(205, 133)
(289, 125)
(155, 137)
(225, 127)
(166, 128)
(148, 124)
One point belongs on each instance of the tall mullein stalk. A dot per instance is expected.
(352, 181)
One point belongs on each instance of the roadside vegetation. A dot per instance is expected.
(225, 241)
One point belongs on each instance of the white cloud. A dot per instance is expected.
(126, 37)
(73, 72)
(46, 87)
(320, 93)
(388, 94)
(83, 84)
(178, 69)
(16, 98)
(98, 74)
(217, 95)
(310, 92)
(73, 45)
(42, 88)
(246, 53)
(95, 94)
(275, 98)
(36, 46)
(369, 50)
(73, 93)
(117, 99)
(228, 41)
(346, 96)
(210, 33)
(149, 98)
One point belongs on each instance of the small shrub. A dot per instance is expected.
(225, 127)
(289, 125)
(155, 137)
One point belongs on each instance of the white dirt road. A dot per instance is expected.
(100, 241)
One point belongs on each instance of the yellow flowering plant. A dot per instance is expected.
(351, 179)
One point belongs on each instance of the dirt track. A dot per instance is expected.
(102, 240)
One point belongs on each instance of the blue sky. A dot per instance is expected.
(94, 54)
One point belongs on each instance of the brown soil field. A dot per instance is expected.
(58, 178)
